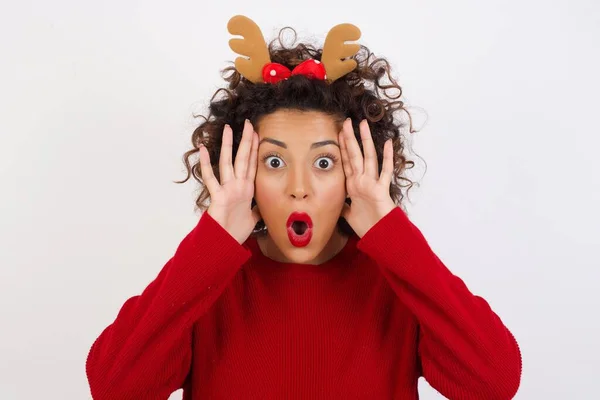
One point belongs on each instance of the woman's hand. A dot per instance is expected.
(370, 193)
(230, 200)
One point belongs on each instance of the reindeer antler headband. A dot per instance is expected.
(258, 67)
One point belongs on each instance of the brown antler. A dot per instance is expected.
(253, 46)
(335, 49)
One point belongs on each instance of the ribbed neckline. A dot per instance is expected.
(339, 260)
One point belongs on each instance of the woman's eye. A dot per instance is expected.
(273, 162)
(324, 163)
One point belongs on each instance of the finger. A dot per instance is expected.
(253, 163)
(206, 171)
(241, 158)
(387, 169)
(370, 163)
(225, 167)
(354, 153)
(345, 159)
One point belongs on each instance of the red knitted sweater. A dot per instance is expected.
(222, 321)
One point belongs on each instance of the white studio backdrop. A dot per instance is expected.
(96, 108)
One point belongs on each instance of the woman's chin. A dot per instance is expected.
(288, 250)
(285, 250)
(299, 254)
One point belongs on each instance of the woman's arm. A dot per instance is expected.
(146, 352)
(465, 350)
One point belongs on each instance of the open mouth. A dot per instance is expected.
(299, 228)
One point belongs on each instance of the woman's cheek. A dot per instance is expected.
(334, 191)
(266, 190)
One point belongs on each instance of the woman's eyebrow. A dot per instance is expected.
(312, 146)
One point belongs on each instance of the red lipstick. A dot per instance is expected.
(299, 229)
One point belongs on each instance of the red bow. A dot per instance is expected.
(275, 72)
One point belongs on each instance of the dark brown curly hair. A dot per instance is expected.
(368, 92)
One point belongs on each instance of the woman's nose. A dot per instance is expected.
(297, 185)
(299, 195)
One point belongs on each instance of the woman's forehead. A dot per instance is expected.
(291, 128)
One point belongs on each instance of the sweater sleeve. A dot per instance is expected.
(465, 350)
(146, 352)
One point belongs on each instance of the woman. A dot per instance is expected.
(304, 279)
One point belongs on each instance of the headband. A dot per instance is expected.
(258, 67)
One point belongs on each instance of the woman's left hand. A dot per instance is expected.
(370, 193)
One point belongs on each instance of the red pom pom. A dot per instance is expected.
(274, 72)
(310, 68)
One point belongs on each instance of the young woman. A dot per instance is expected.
(304, 278)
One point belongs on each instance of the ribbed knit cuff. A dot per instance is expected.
(207, 259)
(211, 236)
(393, 240)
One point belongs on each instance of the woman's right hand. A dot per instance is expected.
(230, 200)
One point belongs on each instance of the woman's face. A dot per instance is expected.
(300, 170)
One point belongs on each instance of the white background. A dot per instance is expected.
(96, 104)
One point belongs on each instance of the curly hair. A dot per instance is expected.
(364, 93)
